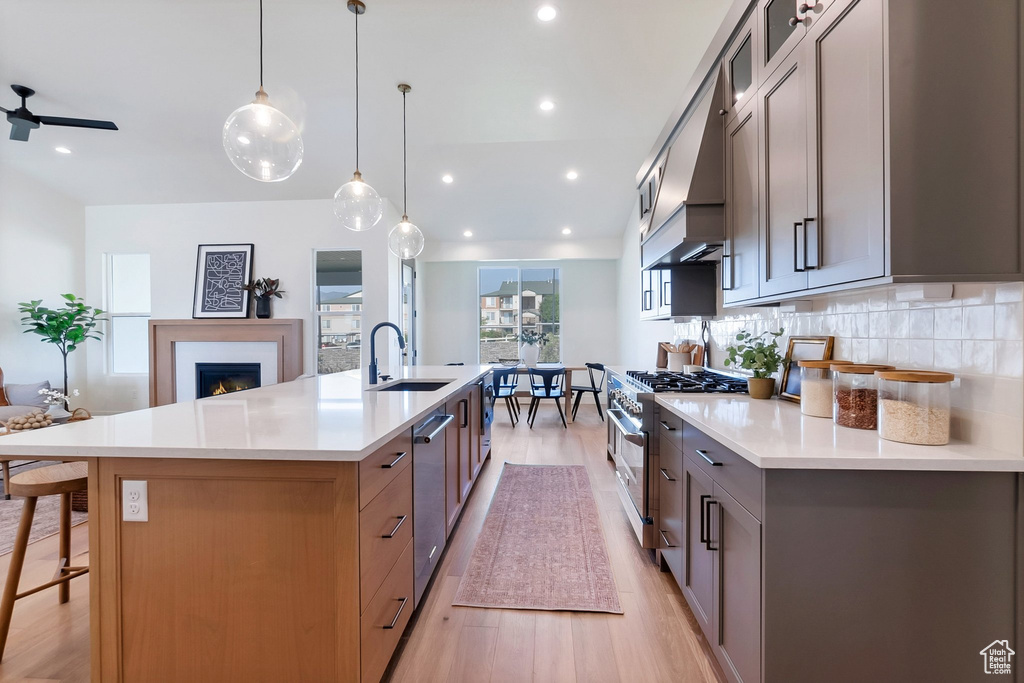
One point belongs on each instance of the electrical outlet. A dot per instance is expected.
(134, 501)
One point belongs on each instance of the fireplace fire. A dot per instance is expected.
(217, 379)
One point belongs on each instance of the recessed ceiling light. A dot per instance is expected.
(566, 231)
(468, 233)
(547, 13)
(62, 150)
(572, 175)
(547, 105)
(447, 179)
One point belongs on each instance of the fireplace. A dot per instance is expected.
(214, 379)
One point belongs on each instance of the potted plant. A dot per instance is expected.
(759, 354)
(532, 341)
(263, 290)
(66, 327)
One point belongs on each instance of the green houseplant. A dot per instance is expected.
(66, 327)
(262, 291)
(759, 354)
(532, 341)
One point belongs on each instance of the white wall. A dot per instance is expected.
(42, 235)
(449, 310)
(284, 233)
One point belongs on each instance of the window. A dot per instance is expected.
(527, 299)
(338, 297)
(128, 307)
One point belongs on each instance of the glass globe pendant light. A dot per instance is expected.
(356, 204)
(405, 240)
(259, 139)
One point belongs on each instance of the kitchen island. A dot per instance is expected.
(813, 552)
(271, 543)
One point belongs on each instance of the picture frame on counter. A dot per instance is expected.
(222, 272)
(802, 348)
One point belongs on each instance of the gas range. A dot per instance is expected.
(701, 382)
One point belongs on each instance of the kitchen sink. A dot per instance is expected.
(415, 385)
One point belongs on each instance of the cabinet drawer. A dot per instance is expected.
(389, 514)
(670, 426)
(376, 471)
(670, 532)
(732, 472)
(386, 617)
(671, 460)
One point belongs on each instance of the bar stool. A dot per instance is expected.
(54, 480)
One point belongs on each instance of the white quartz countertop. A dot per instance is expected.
(775, 434)
(330, 417)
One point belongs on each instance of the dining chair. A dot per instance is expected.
(546, 384)
(597, 373)
(505, 383)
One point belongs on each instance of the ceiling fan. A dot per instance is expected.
(23, 121)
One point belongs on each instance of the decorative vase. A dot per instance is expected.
(761, 387)
(531, 354)
(263, 306)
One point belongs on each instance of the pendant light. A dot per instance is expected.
(357, 204)
(405, 239)
(259, 139)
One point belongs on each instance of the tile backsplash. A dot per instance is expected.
(978, 335)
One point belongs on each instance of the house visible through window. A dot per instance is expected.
(514, 300)
(338, 297)
(128, 308)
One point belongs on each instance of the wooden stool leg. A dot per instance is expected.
(64, 589)
(14, 570)
(6, 464)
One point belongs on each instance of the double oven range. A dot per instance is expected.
(632, 447)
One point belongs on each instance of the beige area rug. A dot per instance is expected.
(46, 521)
(541, 546)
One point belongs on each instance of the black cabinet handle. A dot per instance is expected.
(797, 268)
(703, 521)
(648, 300)
(664, 539)
(727, 283)
(401, 521)
(667, 426)
(397, 614)
(812, 247)
(668, 477)
(666, 298)
(704, 454)
(465, 412)
(389, 465)
(707, 544)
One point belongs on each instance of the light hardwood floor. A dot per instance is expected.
(655, 640)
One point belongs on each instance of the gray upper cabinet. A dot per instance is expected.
(783, 120)
(740, 253)
(739, 71)
(845, 223)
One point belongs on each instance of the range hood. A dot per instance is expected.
(688, 216)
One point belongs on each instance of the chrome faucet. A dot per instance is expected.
(373, 347)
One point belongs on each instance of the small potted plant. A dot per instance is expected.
(759, 354)
(263, 290)
(532, 341)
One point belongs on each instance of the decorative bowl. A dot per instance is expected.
(510, 362)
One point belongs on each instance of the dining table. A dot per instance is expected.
(567, 387)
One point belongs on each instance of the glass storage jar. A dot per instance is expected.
(816, 386)
(855, 389)
(913, 406)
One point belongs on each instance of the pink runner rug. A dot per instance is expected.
(541, 546)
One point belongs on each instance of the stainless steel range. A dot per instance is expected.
(631, 446)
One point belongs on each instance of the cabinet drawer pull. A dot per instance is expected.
(664, 538)
(401, 521)
(432, 551)
(394, 462)
(667, 426)
(465, 413)
(668, 477)
(397, 614)
(704, 454)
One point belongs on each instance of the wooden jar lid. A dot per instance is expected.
(860, 368)
(920, 376)
(826, 364)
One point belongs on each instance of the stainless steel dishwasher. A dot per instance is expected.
(428, 511)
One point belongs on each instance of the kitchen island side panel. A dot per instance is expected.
(887, 576)
(244, 570)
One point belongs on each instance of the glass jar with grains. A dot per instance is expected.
(816, 386)
(855, 390)
(913, 406)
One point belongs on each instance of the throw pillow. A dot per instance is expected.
(27, 394)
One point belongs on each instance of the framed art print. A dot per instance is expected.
(222, 272)
(802, 348)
